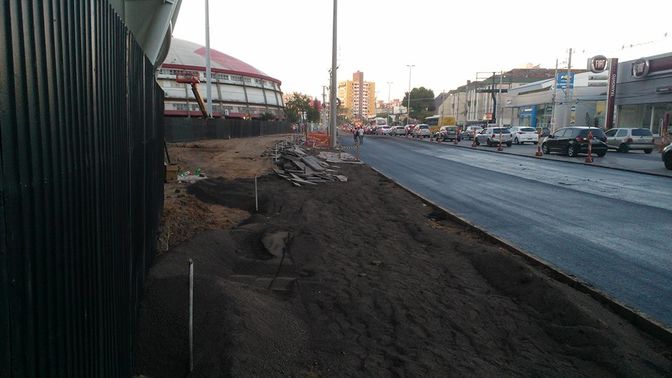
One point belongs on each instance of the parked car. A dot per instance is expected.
(574, 140)
(522, 134)
(421, 131)
(626, 139)
(470, 131)
(491, 136)
(447, 133)
(667, 156)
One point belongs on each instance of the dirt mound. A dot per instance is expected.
(371, 281)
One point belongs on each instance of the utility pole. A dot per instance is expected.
(568, 92)
(408, 111)
(208, 72)
(555, 90)
(332, 94)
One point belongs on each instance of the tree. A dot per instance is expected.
(267, 116)
(296, 105)
(422, 103)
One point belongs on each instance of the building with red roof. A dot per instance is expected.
(238, 89)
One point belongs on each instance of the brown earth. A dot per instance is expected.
(371, 282)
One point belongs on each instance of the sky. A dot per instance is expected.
(448, 42)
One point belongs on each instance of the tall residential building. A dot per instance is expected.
(358, 96)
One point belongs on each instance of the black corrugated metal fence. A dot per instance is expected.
(81, 187)
(179, 129)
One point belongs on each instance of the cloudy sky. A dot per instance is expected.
(449, 42)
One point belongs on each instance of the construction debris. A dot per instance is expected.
(294, 164)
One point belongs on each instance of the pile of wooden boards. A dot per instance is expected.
(300, 168)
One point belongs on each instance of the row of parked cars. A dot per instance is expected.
(571, 141)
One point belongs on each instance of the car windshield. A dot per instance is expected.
(501, 130)
(597, 133)
(527, 129)
(641, 132)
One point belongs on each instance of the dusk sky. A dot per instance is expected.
(448, 42)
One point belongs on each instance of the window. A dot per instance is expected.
(641, 132)
(611, 132)
(621, 133)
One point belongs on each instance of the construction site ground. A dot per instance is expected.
(356, 278)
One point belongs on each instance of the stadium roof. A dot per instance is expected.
(190, 55)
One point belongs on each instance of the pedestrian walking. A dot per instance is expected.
(361, 135)
(355, 134)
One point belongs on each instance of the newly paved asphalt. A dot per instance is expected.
(611, 229)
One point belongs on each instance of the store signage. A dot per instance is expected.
(561, 80)
(597, 64)
(611, 94)
(640, 68)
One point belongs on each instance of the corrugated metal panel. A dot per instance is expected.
(81, 187)
(180, 129)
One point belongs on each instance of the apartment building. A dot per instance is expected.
(358, 96)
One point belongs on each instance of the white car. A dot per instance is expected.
(492, 136)
(383, 130)
(421, 131)
(398, 130)
(522, 134)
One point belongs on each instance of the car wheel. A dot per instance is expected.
(648, 151)
(508, 144)
(516, 141)
(545, 149)
(668, 161)
(601, 153)
(477, 142)
(623, 148)
(535, 143)
(571, 150)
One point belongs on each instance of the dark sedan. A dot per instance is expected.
(574, 140)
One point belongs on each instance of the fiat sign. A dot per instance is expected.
(597, 64)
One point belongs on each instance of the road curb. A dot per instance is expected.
(543, 158)
(633, 316)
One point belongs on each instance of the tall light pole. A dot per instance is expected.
(389, 86)
(408, 111)
(208, 72)
(332, 94)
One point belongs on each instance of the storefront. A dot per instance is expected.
(549, 104)
(644, 93)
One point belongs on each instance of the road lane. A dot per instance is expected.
(609, 228)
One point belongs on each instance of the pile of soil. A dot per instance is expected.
(364, 279)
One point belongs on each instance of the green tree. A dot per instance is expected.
(267, 116)
(422, 103)
(296, 105)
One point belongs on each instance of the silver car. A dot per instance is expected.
(492, 136)
(626, 139)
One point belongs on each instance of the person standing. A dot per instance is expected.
(360, 134)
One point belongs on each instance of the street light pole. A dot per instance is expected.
(332, 94)
(208, 72)
(408, 111)
(389, 86)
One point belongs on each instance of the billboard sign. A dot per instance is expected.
(561, 80)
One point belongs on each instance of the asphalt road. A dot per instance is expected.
(609, 228)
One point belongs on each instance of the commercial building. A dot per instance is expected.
(357, 96)
(238, 89)
(644, 93)
(475, 103)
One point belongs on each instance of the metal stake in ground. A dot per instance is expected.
(256, 196)
(191, 315)
(589, 158)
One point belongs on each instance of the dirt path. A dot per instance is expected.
(373, 282)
